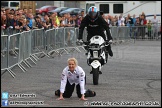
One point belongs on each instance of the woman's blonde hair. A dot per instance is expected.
(73, 59)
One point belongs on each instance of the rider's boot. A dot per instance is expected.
(100, 72)
(86, 53)
(109, 50)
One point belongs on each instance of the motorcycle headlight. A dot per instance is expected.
(95, 54)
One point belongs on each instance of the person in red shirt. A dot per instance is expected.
(143, 26)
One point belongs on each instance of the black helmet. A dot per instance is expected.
(93, 13)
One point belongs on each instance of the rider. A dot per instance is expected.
(96, 25)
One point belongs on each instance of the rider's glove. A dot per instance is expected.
(110, 41)
(79, 41)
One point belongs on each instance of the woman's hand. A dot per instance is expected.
(82, 98)
(61, 97)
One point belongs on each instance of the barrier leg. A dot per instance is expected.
(11, 73)
(27, 64)
(21, 67)
(32, 60)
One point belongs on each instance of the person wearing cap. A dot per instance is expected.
(73, 75)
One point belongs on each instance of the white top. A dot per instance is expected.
(155, 22)
(77, 77)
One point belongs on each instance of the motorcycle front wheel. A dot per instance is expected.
(95, 75)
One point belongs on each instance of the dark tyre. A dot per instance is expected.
(95, 76)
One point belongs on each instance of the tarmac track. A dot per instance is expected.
(133, 74)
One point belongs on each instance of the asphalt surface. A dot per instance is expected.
(131, 77)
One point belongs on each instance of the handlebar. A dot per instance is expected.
(87, 43)
(105, 43)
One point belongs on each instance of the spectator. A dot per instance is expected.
(54, 15)
(38, 22)
(20, 12)
(30, 17)
(9, 23)
(18, 16)
(126, 22)
(140, 17)
(66, 20)
(120, 21)
(143, 15)
(62, 22)
(73, 20)
(2, 13)
(3, 24)
(3, 21)
(25, 12)
(2, 9)
(54, 23)
(109, 20)
(143, 26)
(137, 27)
(134, 19)
(149, 29)
(79, 21)
(133, 28)
(16, 12)
(20, 23)
(14, 22)
(154, 22)
(7, 11)
(48, 21)
(33, 21)
(112, 23)
(24, 25)
(82, 14)
(59, 20)
(129, 21)
(30, 10)
(12, 11)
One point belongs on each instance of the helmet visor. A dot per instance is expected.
(92, 14)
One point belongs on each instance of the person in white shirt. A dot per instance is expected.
(154, 21)
(73, 75)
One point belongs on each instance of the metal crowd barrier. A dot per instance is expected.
(26, 40)
(38, 42)
(5, 55)
(18, 48)
(70, 39)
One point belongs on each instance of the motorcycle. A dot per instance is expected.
(97, 55)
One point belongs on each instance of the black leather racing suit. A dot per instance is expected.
(95, 28)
